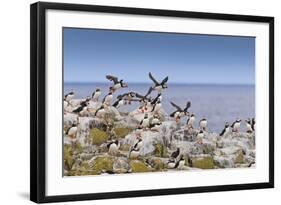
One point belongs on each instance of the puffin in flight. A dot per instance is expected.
(158, 86)
(116, 83)
(180, 112)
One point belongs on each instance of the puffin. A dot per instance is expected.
(100, 111)
(203, 124)
(180, 163)
(179, 111)
(225, 130)
(236, 125)
(138, 144)
(190, 120)
(156, 106)
(108, 98)
(249, 125)
(96, 95)
(85, 102)
(113, 147)
(171, 163)
(128, 97)
(175, 154)
(200, 136)
(145, 122)
(82, 109)
(118, 102)
(72, 131)
(155, 119)
(69, 96)
(134, 153)
(158, 86)
(116, 83)
(253, 124)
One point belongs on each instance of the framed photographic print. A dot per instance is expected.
(129, 102)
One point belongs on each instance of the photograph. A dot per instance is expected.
(141, 101)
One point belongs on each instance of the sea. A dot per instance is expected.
(217, 103)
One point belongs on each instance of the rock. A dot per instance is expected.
(205, 162)
(121, 165)
(157, 164)
(121, 132)
(160, 150)
(239, 157)
(98, 136)
(101, 164)
(138, 166)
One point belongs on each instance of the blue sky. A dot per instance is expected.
(90, 54)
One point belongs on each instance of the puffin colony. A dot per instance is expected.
(101, 139)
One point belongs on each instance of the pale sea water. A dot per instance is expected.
(217, 103)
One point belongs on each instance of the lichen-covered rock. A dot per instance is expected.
(121, 165)
(160, 150)
(121, 132)
(101, 164)
(98, 136)
(205, 162)
(138, 166)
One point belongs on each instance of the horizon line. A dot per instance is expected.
(172, 83)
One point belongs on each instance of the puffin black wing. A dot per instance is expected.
(79, 109)
(173, 114)
(93, 94)
(165, 80)
(176, 106)
(175, 154)
(116, 102)
(222, 132)
(188, 104)
(112, 78)
(153, 79)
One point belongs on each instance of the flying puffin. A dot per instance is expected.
(145, 122)
(175, 154)
(118, 102)
(69, 96)
(180, 163)
(156, 106)
(236, 125)
(96, 95)
(203, 124)
(158, 86)
(128, 97)
(116, 83)
(108, 98)
(72, 131)
(179, 111)
(113, 147)
(249, 125)
(190, 121)
(225, 130)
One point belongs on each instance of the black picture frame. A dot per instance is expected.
(38, 101)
